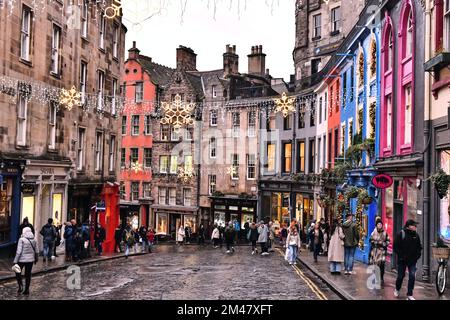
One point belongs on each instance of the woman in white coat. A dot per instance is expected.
(336, 248)
(26, 255)
(180, 235)
(215, 236)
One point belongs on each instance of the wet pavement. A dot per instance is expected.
(175, 273)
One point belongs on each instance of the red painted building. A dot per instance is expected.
(334, 120)
(142, 83)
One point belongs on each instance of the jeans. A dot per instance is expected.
(402, 265)
(316, 251)
(293, 253)
(253, 245)
(335, 267)
(349, 258)
(144, 245)
(28, 267)
(48, 249)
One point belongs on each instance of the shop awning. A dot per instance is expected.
(393, 164)
(174, 208)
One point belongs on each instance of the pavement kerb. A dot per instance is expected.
(330, 283)
(62, 267)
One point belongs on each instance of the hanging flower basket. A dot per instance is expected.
(352, 192)
(364, 198)
(441, 182)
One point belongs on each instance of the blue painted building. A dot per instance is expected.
(10, 197)
(360, 111)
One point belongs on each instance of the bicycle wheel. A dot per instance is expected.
(441, 278)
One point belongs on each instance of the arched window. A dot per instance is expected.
(409, 35)
(373, 57)
(361, 68)
(390, 50)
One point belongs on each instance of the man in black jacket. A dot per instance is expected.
(48, 232)
(408, 248)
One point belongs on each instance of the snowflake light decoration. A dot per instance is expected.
(185, 174)
(136, 166)
(177, 113)
(232, 171)
(285, 105)
(70, 98)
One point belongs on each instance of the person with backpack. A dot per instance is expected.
(143, 235)
(408, 248)
(215, 236)
(129, 240)
(350, 242)
(48, 232)
(229, 237)
(27, 254)
(99, 237)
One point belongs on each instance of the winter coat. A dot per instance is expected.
(151, 236)
(215, 234)
(25, 252)
(86, 232)
(254, 235)
(272, 232)
(293, 239)
(143, 232)
(229, 235)
(69, 232)
(23, 226)
(379, 241)
(336, 247)
(408, 249)
(262, 230)
(48, 232)
(180, 234)
(311, 239)
(351, 234)
(100, 235)
(118, 235)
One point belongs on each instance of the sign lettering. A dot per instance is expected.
(382, 181)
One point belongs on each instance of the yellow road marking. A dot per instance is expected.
(308, 281)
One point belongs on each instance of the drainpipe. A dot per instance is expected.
(427, 154)
(293, 153)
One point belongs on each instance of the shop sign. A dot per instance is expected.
(382, 181)
(101, 205)
(27, 188)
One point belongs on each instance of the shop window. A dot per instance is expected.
(5, 210)
(191, 221)
(219, 218)
(28, 203)
(57, 207)
(161, 223)
(444, 216)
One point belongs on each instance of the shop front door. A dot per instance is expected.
(175, 222)
(398, 225)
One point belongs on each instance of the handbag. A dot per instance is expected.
(16, 268)
(36, 254)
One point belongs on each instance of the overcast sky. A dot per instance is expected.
(270, 23)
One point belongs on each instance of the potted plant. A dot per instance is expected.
(441, 182)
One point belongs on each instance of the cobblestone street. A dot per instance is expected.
(175, 273)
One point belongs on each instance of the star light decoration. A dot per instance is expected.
(136, 166)
(185, 174)
(178, 113)
(70, 98)
(285, 105)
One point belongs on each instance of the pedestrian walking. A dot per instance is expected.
(137, 240)
(215, 236)
(78, 244)
(379, 241)
(408, 248)
(118, 239)
(201, 235)
(237, 230)
(86, 239)
(58, 239)
(99, 237)
(271, 237)
(180, 235)
(129, 239)
(350, 242)
(143, 235)
(284, 234)
(246, 229)
(187, 234)
(229, 237)
(48, 232)
(263, 237)
(25, 224)
(293, 244)
(336, 251)
(150, 239)
(221, 235)
(27, 253)
(253, 237)
(316, 240)
(326, 236)
(69, 236)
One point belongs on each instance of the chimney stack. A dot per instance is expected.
(186, 59)
(133, 53)
(257, 61)
(230, 61)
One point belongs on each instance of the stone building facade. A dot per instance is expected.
(57, 158)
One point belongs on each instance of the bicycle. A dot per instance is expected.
(442, 255)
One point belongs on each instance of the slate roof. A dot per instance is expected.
(196, 82)
(160, 75)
